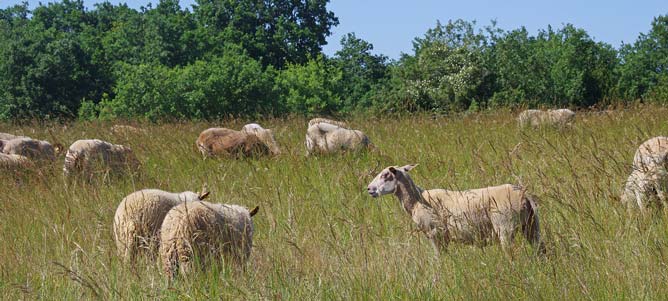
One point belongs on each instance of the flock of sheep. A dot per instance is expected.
(179, 228)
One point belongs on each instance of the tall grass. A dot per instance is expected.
(319, 236)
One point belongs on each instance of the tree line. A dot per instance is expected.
(259, 57)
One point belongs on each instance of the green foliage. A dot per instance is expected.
(275, 32)
(445, 73)
(361, 72)
(227, 57)
(233, 84)
(310, 88)
(645, 63)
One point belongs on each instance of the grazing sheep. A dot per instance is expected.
(537, 118)
(205, 231)
(245, 143)
(465, 216)
(83, 155)
(14, 162)
(125, 130)
(31, 148)
(251, 126)
(7, 136)
(649, 176)
(139, 217)
(326, 138)
(324, 120)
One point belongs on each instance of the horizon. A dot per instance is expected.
(601, 20)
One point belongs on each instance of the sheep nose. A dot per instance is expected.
(371, 189)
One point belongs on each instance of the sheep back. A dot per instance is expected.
(223, 141)
(28, 147)
(82, 156)
(652, 152)
(205, 231)
(315, 121)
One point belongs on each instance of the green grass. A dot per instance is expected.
(320, 236)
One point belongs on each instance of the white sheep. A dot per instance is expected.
(465, 216)
(205, 231)
(31, 148)
(139, 217)
(649, 176)
(315, 121)
(7, 136)
(83, 155)
(14, 162)
(537, 118)
(325, 137)
(126, 130)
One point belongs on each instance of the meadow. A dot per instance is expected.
(319, 235)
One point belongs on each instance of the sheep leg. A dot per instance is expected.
(439, 241)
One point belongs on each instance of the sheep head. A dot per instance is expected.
(386, 181)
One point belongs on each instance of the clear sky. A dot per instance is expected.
(391, 25)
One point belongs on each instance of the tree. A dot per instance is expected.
(311, 88)
(644, 65)
(361, 71)
(274, 32)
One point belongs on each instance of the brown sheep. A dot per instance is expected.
(247, 143)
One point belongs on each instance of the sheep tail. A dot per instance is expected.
(531, 224)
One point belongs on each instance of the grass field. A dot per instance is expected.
(320, 236)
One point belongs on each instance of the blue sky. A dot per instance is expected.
(391, 25)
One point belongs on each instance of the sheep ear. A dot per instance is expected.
(203, 195)
(408, 167)
(254, 211)
(58, 148)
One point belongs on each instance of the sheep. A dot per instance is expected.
(324, 120)
(245, 143)
(126, 130)
(464, 216)
(31, 148)
(7, 136)
(14, 162)
(649, 176)
(205, 231)
(326, 138)
(139, 217)
(251, 126)
(84, 154)
(537, 118)
(651, 152)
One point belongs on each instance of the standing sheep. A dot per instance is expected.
(325, 137)
(139, 216)
(83, 155)
(466, 216)
(251, 141)
(649, 176)
(205, 231)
